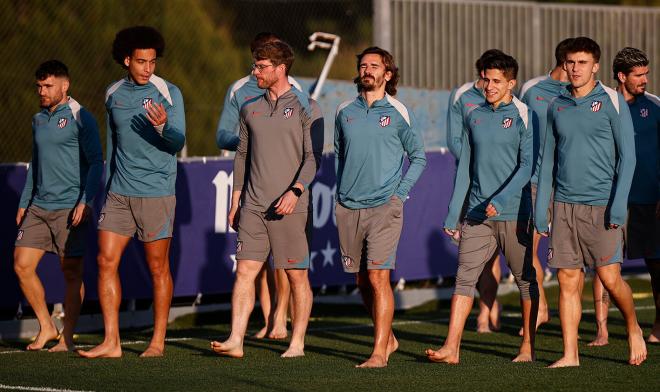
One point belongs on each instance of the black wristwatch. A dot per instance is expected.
(296, 191)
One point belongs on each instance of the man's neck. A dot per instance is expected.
(583, 91)
(559, 74)
(505, 100)
(373, 95)
(630, 98)
(279, 88)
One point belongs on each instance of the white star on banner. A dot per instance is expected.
(328, 252)
(311, 261)
(233, 260)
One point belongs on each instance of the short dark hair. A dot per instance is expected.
(586, 45)
(505, 63)
(489, 53)
(278, 52)
(263, 38)
(51, 68)
(627, 59)
(136, 37)
(388, 61)
(560, 51)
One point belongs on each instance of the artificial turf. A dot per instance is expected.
(339, 338)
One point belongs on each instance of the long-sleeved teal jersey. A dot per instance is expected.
(142, 160)
(593, 139)
(239, 93)
(67, 160)
(645, 112)
(536, 94)
(495, 164)
(461, 100)
(369, 152)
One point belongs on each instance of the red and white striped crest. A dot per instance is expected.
(146, 102)
(61, 123)
(288, 112)
(644, 112)
(384, 121)
(595, 106)
(507, 122)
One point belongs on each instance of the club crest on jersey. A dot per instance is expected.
(644, 112)
(507, 123)
(61, 123)
(384, 121)
(146, 102)
(348, 262)
(239, 246)
(595, 106)
(20, 235)
(102, 217)
(288, 112)
(550, 254)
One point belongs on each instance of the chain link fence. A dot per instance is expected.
(206, 50)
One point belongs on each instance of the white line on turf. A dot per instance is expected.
(40, 389)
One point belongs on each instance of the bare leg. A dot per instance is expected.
(75, 292)
(242, 303)
(654, 269)
(529, 312)
(283, 293)
(302, 305)
(367, 294)
(450, 350)
(489, 312)
(111, 247)
(621, 294)
(158, 259)
(265, 297)
(570, 311)
(26, 261)
(601, 305)
(543, 316)
(382, 315)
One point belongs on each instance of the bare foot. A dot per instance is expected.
(227, 349)
(523, 357)
(565, 362)
(483, 324)
(601, 340)
(293, 352)
(45, 336)
(278, 333)
(103, 350)
(392, 346)
(261, 333)
(494, 317)
(153, 352)
(637, 347)
(443, 354)
(654, 336)
(62, 346)
(375, 361)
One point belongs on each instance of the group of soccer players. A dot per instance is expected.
(501, 145)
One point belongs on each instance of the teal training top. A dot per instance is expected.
(536, 94)
(67, 160)
(461, 101)
(369, 152)
(645, 112)
(142, 159)
(593, 140)
(495, 164)
(238, 94)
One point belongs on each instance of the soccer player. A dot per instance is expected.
(238, 94)
(495, 166)
(53, 213)
(373, 132)
(281, 140)
(631, 69)
(461, 100)
(590, 131)
(536, 94)
(146, 128)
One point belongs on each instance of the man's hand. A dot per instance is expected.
(545, 234)
(491, 211)
(453, 233)
(286, 203)
(156, 114)
(234, 215)
(19, 216)
(80, 214)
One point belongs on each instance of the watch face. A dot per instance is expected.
(296, 191)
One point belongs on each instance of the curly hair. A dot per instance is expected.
(136, 37)
(627, 59)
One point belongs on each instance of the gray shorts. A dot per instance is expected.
(51, 231)
(287, 237)
(368, 237)
(642, 232)
(152, 218)
(580, 238)
(481, 240)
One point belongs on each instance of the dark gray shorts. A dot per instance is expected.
(287, 237)
(481, 240)
(152, 218)
(51, 231)
(579, 238)
(642, 232)
(368, 237)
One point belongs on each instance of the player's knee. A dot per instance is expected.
(379, 278)
(106, 263)
(22, 269)
(610, 281)
(72, 271)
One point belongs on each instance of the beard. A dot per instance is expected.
(369, 83)
(49, 102)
